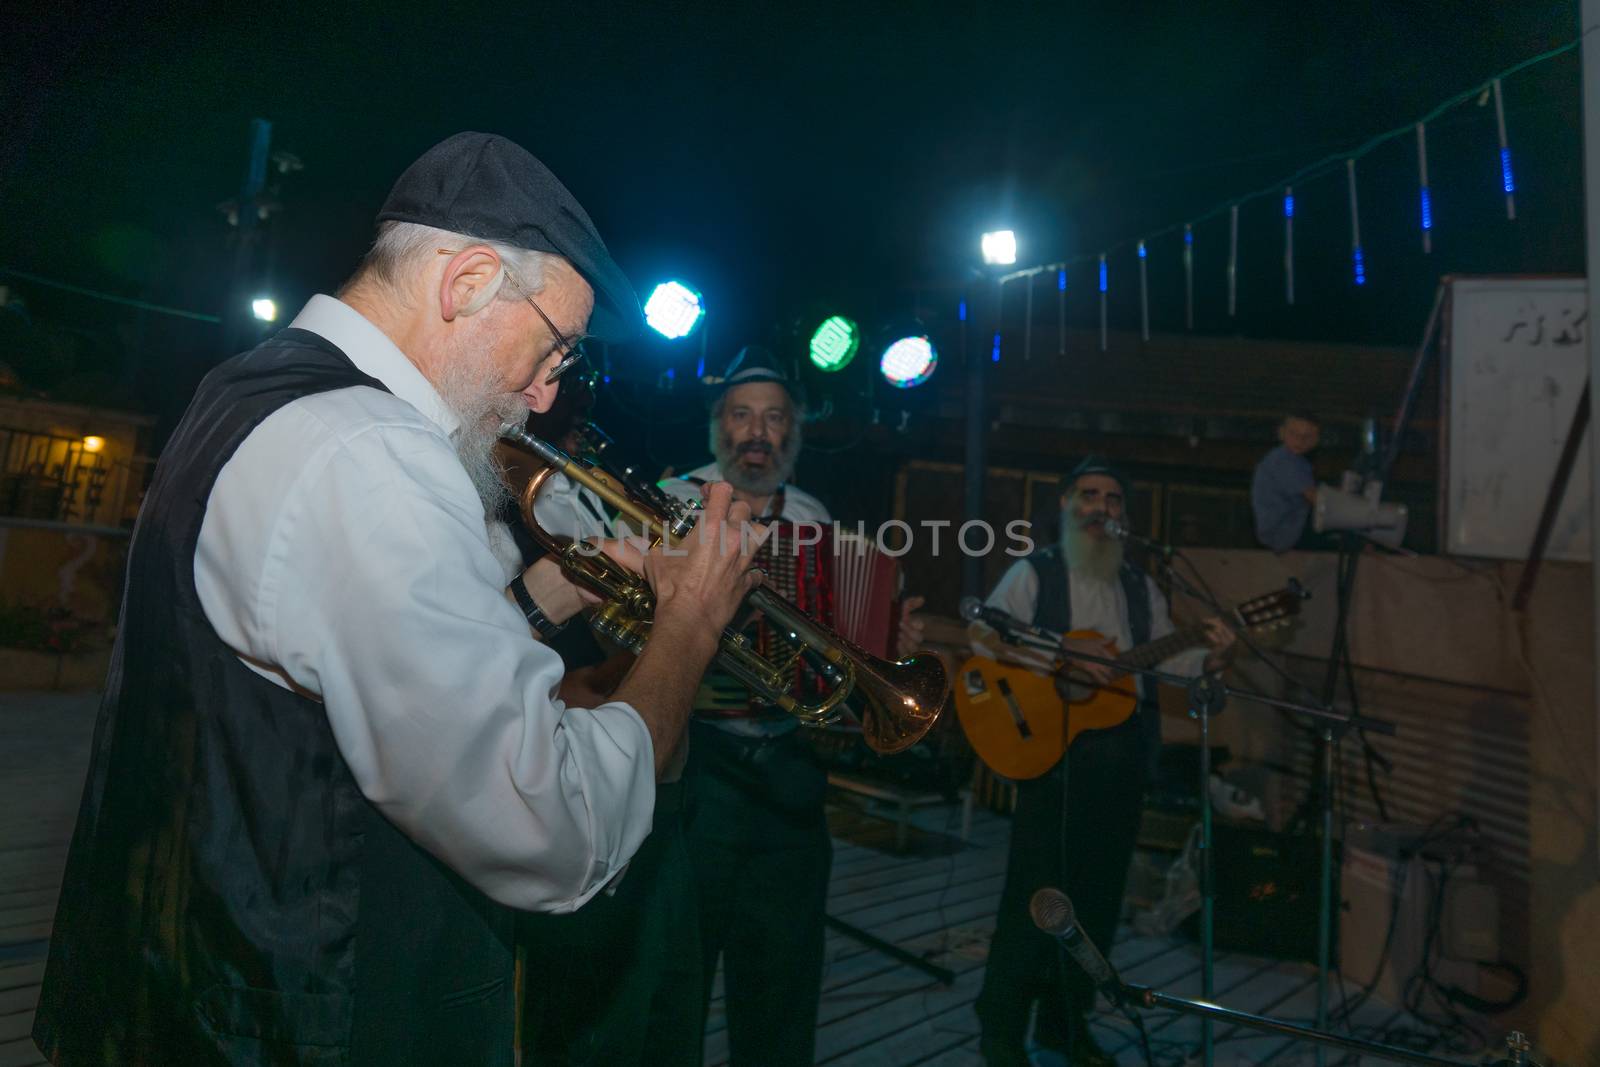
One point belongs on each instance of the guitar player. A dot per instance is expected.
(1084, 844)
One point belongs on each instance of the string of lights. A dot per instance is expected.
(1489, 88)
(109, 297)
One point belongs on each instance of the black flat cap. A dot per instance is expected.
(485, 186)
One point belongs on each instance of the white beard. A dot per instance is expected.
(1095, 558)
(468, 389)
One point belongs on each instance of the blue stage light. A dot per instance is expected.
(673, 310)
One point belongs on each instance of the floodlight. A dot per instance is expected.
(673, 310)
(1000, 248)
(835, 343)
(908, 362)
(265, 309)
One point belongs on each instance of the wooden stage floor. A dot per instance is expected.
(935, 899)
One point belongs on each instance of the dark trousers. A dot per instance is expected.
(618, 981)
(759, 844)
(1085, 853)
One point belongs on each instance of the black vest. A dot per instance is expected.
(1053, 610)
(230, 896)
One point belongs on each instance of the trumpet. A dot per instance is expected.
(898, 702)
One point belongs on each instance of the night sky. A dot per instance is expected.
(787, 158)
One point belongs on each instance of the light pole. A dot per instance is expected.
(999, 248)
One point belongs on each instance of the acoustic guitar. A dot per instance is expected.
(1020, 721)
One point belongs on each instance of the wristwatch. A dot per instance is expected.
(533, 612)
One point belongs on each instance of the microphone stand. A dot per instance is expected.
(1207, 695)
(1330, 733)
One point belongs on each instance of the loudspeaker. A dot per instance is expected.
(1338, 510)
(1267, 886)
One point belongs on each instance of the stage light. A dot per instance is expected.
(908, 362)
(1000, 248)
(265, 309)
(673, 310)
(835, 343)
(93, 444)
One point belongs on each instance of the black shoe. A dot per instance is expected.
(1085, 1050)
(1002, 1054)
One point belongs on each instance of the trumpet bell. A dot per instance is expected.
(901, 701)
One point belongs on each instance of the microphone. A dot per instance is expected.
(1117, 529)
(975, 610)
(1053, 913)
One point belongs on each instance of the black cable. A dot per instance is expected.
(1430, 834)
(1449, 1025)
(1369, 753)
(1144, 1035)
(1210, 600)
(866, 428)
(1060, 879)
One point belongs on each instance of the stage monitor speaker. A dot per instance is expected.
(1267, 888)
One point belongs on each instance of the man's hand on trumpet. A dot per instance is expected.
(701, 583)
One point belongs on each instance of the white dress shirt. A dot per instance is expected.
(566, 508)
(798, 505)
(1096, 605)
(344, 554)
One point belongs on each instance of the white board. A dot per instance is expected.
(1515, 366)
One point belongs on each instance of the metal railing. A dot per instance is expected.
(49, 477)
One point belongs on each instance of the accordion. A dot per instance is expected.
(840, 579)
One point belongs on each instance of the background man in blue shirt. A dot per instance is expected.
(1284, 489)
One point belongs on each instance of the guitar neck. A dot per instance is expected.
(1153, 652)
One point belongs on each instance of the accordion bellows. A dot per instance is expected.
(838, 578)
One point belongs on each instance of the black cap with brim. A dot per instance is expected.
(485, 186)
(754, 364)
(1095, 464)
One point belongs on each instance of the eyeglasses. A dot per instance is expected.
(571, 350)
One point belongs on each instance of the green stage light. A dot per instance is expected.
(835, 343)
